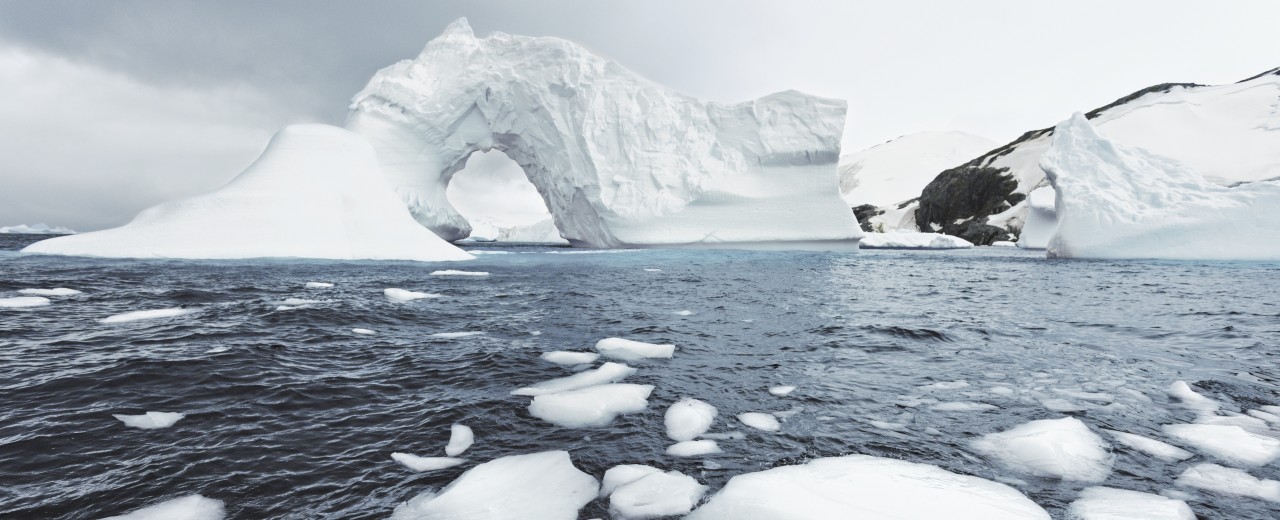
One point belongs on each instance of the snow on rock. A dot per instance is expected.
(606, 373)
(1160, 450)
(688, 418)
(693, 448)
(1119, 201)
(582, 127)
(58, 291)
(593, 406)
(455, 272)
(460, 438)
(860, 486)
(622, 475)
(538, 486)
(628, 350)
(910, 240)
(760, 421)
(315, 192)
(898, 170)
(21, 302)
(190, 507)
(1229, 481)
(153, 314)
(1042, 218)
(318, 285)
(1104, 503)
(421, 464)
(1055, 448)
(35, 229)
(562, 357)
(1229, 443)
(781, 391)
(150, 420)
(656, 495)
(402, 296)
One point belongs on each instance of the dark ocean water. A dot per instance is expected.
(291, 415)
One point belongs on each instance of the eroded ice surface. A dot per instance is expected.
(153, 314)
(593, 406)
(1229, 443)
(538, 486)
(1057, 448)
(421, 464)
(656, 495)
(1104, 503)
(460, 438)
(191, 507)
(150, 420)
(606, 373)
(688, 418)
(629, 350)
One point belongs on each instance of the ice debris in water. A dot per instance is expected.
(593, 406)
(190, 507)
(1229, 481)
(693, 448)
(945, 385)
(298, 301)
(455, 272)
(150, 420)
(19, 302)
(1104, 503)
(656, 495)
(606, 373)
(1191, 399)
(1056, 448)
(318, 285)
(860, 486)
(402, 295)
(58, 291)
(146, 315)
(1061, 405)
(562, 357)
(628, 350)
(760, 421)
(962, 406)
(1229, 443)
(652, 270)
(685, 312)
(622, 475)
(538, 486)
(688, 418)
(1160, 450)
(363, 331)
(1243, 421)
(421, 464)
(464, 334)
(781, 391)
(460, 438)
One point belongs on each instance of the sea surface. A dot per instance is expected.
(291, 415)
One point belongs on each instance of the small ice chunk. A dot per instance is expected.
(562, 357)
(886, 425)
(402, 295)
(693, 448)
(460, 438)
(962, 406)
(217, 350)
(363, 331)
(760, 421)
(1230, 443)
(1062, 405)
(318, 285)
(944, 385)
(1085, 396)
(656, 495)
(420, 464)
(1160, 450)
(451, 335)
(1229, 481)
(146, 315)
(685, 312)
(455, 272)
(1269, 417)
(622, 475)
(1243, 421)
(58, 291)
(1056, 448)
(593, 406)
(21, 302)
(190, 507)
(150, 420)
(781, 391)
(628, 350)
(534, 486)
(1104, 503)
(1002, 390)
(1191, 399)
(652, 270)
(298, 301)
(607, 373)
(860, 486)
(688, 418)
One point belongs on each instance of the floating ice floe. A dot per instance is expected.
(421, 464)
(606, 373)
(859, 486)
(401, 295)
(944, 385)
(1104, 503)
(1191, 399)
(1234, 419)
(693, 448)
(1160, 450)
(652, 270)
(781, 391)
(622, 475)
(298, 302)
(1266, 416)
(22, 302)
(455, 272)
(1229, 443)
(760, 421)
(962, 406)
(593, 406)
(656, 495)
(911, 240)
(150, 420)
(538, 486)
(688, 418)
(561, 357)
(460, 438)
(318, 285)
(153, 314)
(629, 350)
(363, 331)
(886, 425)
(1062, 405)
(1056, 448)
(464, 334)
(685, 312)
(1229, 481)
(190, 507)
(57, 291)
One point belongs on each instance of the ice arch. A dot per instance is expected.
(619, 160)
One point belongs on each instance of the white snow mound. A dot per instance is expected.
(150, 420)
(1056, 448)
(593, 406)
(1104, 503)
(538, 486)
(190, 507)
(688, 418)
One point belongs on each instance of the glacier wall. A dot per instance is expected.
(619, 160)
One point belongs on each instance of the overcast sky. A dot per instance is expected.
(109, 107)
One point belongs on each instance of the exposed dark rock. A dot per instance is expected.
(863, 213)
(967, 195)
(978, 233)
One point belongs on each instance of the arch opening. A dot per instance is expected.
(494, 195)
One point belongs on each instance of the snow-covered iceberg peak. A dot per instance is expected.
(1118, 201)
(315, 192)
(618, 159)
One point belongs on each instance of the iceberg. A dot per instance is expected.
(688, 418)
(540, 232)
(1055, 448)
(1119, 201)
(593, 406)
(315, 192)
(619, 160)
(150, 420)
(538, 486)
(860, 486)
(1104, 503)
(190, 507)
(910, 240)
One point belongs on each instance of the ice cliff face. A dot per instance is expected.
(1121, 201)
(619, 160)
